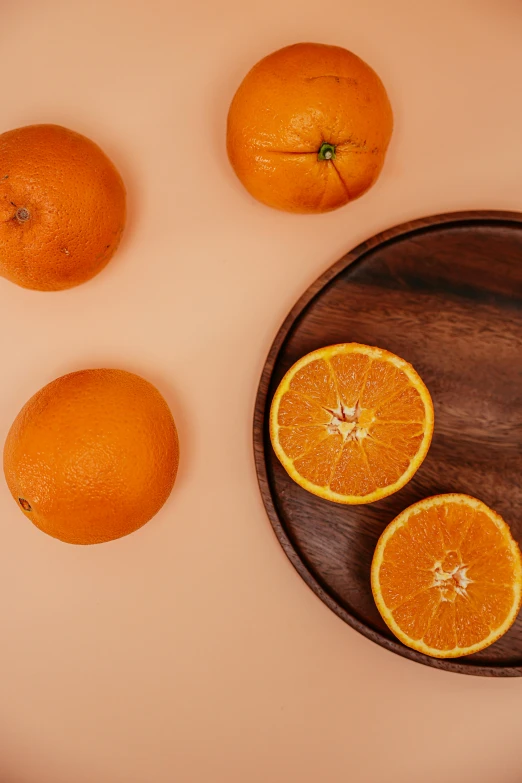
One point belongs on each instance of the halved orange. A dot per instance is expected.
(351, 423)
(447, 576)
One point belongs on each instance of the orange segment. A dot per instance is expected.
(315, 380)
(386, 464)
(384, 381)
(352, 475)
(351, 423)
(316, 466)
(298, 441)
(350, 371)
(296, 410)
(407, 405)
(447, 576)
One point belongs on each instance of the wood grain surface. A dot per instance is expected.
(445, 293)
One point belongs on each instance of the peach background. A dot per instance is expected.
(191, 651)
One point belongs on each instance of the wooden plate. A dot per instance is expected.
(445, 293)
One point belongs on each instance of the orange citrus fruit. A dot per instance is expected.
(62, 207)
(308, 128)
(92, 456)
(351, 423)
(447, 576)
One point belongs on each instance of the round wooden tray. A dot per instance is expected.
(445, 293)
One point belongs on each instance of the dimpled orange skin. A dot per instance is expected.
(285, 110)
(62, 208)
(92, 456)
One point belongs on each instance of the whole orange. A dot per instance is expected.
(308, 128)
(92, 456)
(62, 207)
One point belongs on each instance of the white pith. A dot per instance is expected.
(345, 420)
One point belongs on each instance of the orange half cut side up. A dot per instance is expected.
(447, 576)
(351, 423)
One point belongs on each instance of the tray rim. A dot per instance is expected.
(413, 227)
